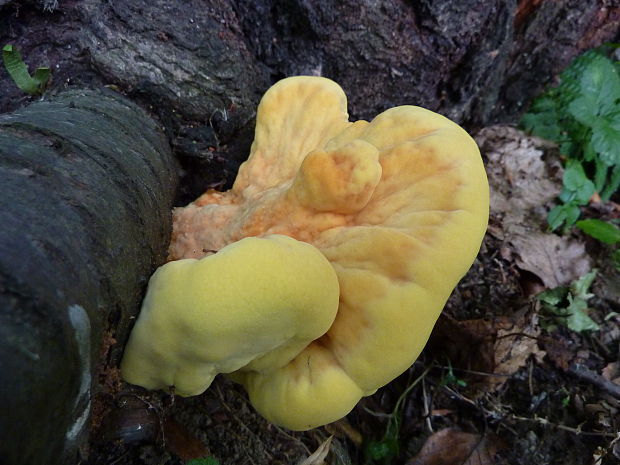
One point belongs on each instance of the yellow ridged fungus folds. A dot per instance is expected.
(336, 250)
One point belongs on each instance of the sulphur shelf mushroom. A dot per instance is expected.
(337, 248)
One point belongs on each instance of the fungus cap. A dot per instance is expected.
(398, 206)
(257, 300)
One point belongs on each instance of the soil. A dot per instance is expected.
(495, 372)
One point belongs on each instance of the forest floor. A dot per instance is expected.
(507, 377)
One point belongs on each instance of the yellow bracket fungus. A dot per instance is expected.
(337, 248)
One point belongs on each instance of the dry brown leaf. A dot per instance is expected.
(450, 446)
(465, 343)
(183, 443)
(501, 346)
(611, 329)
(524, 186)
(514, 344)
(560, 353)
(616, 446)
(555, 260)
(611, 372)
(519, 178)
(318, 457)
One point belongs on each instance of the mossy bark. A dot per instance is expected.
(87, 182)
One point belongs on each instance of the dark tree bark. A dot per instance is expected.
(203, 64)
(86, 184)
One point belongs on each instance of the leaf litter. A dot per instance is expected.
(524, 184)
(450, 446)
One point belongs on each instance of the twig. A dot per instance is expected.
(578, 430)
(377, 414)
(472, 372)
(539, 420)
(530, 381)
(588, 375)
(119, 458)
(293, 438)
(426, 408)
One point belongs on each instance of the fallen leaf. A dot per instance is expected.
(556, 260)
(129, 425)
(519, 176)
(466, 344)
(450, 446)
(318, 457)
(559, 352)
(616, 446)
(611, 332)
(181, 442)
(514, 344)
(524, 184)
(499, 346)
(611, 372)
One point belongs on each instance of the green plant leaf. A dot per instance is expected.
(574, 176)
(600, 80)
(584, 109)
(584, 194)
(569, 148)
(556, 217)
(572, 213)
(577, 187)
(577, 318)
(18, 71)
(543, 120)
(563, 214)
(589, 154)
(601, 230)
(600, 174)
(566, 195)
(580, 287)
(582, 114)
(606, 140)
(553, 296)
(203, 461)
(615, 259)
(568, 306)
(612, 185)
(382, 450)
(576, 315)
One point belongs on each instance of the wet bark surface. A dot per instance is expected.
(85, 214)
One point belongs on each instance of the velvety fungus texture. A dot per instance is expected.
(319, 276)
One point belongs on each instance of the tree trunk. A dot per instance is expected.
(203, 65)
(87, 183)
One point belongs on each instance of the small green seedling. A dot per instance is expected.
(582, 114)
(17, 69)
(565, 397)
(450, 379)
(568, 306)
(385, 449)
(203, 461)
(605, 232)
